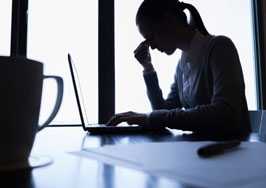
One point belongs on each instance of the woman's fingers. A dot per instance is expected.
(142, 53)
(129, 117)
(143, 45)
(119, 118)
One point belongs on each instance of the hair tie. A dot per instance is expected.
(182, 5)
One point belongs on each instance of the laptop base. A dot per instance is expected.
(125, 130)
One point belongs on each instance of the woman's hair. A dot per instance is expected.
(152, 11)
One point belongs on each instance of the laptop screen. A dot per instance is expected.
(78, 92)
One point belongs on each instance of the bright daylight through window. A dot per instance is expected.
(5, 25)
(56, 28)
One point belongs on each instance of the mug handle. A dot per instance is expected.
(60, 90)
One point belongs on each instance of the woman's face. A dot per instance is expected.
(164, 36)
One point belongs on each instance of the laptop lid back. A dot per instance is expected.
(77, 91)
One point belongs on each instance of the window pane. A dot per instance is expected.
(54, 31)
(230, 18)
(5, 25)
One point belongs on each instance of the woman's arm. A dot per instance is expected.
(142, 54)
(155, 94)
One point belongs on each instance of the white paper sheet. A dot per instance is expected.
(179, 161)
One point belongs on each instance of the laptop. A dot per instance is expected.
(100, 128)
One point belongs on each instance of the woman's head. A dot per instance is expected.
(153, 11)
(161, 21)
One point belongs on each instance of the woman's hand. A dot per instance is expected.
(129, 117)
(142, 54)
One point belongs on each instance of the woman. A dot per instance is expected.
(208, 93)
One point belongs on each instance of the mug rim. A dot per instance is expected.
(19, 58)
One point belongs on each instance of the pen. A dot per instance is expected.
(217, 148)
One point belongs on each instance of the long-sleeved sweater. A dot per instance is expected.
(208, 93)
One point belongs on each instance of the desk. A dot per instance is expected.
(70, 171)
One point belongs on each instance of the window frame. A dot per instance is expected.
(106, 50)
(19, 27)
(106, 57)
(259, 45)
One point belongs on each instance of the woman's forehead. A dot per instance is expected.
(145, 30)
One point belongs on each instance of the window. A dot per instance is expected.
(56, 28)
(230, 18)
(5, 25)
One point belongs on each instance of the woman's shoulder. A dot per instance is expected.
(220, 41)
(219, 48)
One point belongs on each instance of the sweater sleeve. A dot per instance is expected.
(155, 94)
(223, 112)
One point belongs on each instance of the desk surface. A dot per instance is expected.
(69, 171)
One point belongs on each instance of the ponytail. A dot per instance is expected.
(154, 10)
(195, 20)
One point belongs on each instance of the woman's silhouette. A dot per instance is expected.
(208, 93)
